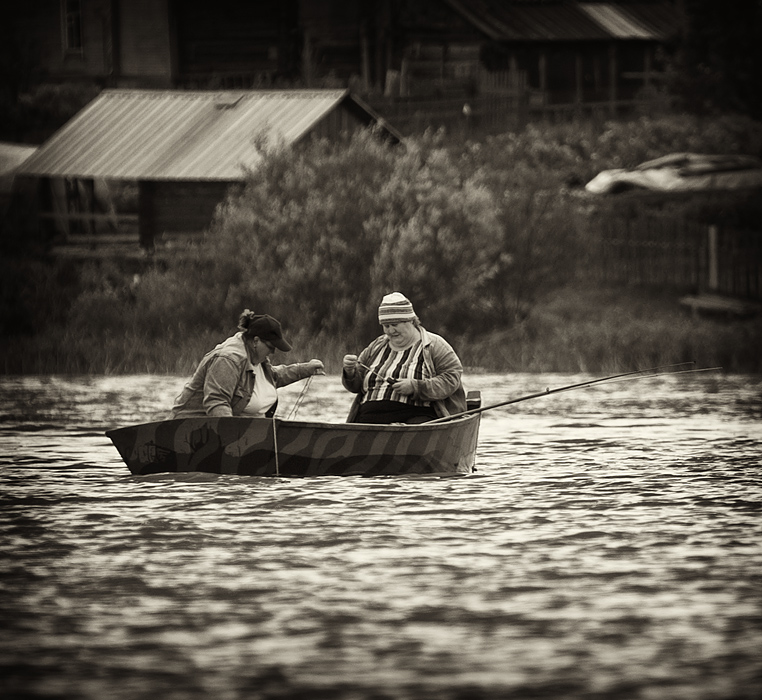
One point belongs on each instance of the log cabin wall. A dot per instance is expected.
(347, 43)
(145, 43)
(233, 44)
(371, 45)
(438, 51)
(338, 123)
(45, 46)
(185, 207)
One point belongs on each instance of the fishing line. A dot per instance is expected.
(275, 448)
(300, 398)
(641, 374)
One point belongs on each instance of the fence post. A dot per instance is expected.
(713, 261)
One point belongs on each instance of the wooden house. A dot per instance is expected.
(568, 52)
(183, 149)
(559, 50)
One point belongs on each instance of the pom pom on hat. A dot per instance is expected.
(395, 308)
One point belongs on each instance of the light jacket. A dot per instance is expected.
(443, 390)
(223, 382)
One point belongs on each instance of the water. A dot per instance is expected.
(609, 546)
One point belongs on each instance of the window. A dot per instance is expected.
(71, 15)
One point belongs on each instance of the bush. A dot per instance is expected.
(319, 235)
(554, 156)
(35, 295)
(49, 106)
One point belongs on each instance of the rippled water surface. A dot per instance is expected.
(609, 546)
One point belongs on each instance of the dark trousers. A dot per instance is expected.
(394, 412)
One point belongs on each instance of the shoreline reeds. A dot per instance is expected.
(578, 330)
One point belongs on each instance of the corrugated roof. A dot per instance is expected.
(553, 23)
(12, 155)
(615, 22)
(177, 135)
(662, 19)
(568, 21)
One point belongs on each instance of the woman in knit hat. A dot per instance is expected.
(236, 377)
(406, 375)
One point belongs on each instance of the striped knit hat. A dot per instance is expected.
(395, 308)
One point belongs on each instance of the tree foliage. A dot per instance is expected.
(716, 64)
(319, 236)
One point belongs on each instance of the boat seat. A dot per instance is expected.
(473, 400)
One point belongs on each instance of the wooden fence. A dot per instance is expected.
(664, 251)
(496, 113)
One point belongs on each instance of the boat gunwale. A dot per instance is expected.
(286, 424)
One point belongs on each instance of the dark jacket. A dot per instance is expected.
(444, 390)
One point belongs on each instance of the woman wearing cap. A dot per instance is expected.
(236, 378)
(406, 375)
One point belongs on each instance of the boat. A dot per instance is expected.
(251, 446)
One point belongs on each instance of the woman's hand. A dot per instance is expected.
(349, 363)
(316, 367)
(404, 387)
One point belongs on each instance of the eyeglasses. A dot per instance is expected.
(270, 346)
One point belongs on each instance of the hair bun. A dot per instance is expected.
(245, 319)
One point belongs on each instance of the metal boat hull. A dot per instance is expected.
(266, 447)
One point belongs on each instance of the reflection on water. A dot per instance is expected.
(607, 547)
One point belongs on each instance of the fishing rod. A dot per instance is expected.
(372, 371)
(671, 374)
(641, 372)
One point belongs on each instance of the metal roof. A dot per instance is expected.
(552, 23)
(662, 19)
(178, 135)
(569, 21)
(616, 22)
(12, 155)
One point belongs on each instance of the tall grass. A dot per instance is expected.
(574, 330)
(578, 329)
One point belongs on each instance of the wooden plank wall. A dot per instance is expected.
(144, 46)
(667, 252)
(496, 113)
(187, 207)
